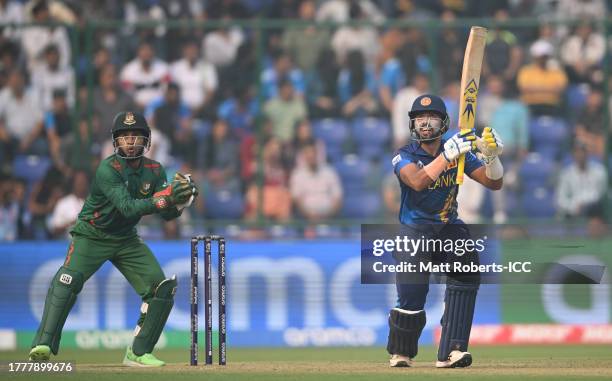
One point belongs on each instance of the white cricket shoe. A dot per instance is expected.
(456, 359)
(399, 361)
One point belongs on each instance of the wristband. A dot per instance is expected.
(494, 168)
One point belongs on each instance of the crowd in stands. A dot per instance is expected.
(297, 122)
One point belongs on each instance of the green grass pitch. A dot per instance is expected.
(490, 363)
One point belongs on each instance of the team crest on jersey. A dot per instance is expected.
(129, 119)
(146, 187)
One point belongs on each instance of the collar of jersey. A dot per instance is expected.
(129, 169)
(421, 152)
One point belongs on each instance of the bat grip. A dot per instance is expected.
(460, 169)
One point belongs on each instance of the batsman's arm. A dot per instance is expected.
(112, 186)
(421, 178)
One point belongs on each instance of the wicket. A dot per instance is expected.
(208, 312)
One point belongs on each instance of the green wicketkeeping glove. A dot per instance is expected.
(178, 192)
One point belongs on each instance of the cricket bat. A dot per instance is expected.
(470, 81)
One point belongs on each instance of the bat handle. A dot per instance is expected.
(460, 169)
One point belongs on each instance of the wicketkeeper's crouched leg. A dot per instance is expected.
(62, 295)
(154, 313)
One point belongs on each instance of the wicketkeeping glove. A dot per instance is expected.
(186, 178)
(490, 144)
(177, 193)
(460, 143)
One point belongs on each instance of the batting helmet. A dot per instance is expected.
(131, 121)
(428, 103)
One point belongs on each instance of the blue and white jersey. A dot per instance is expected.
(437, 203)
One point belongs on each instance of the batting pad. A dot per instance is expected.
(405, 328)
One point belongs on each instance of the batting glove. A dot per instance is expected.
(490, 144)
(460, 143)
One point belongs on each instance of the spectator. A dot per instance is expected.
(59, 130)
(50, 76)
(67, 209)
(172, 117)
(220, 46)
(241, 73)
(285, 111)
(240, 111)
(12, 193)
(276, 199)
(451, 46)
(391, 195)
(304, 137)
(304, 45)
(356, 37)
(357, 87)
(196, 78)
(35, 39)
(592, 9)
(323, 87)
(410, 58)
(221, 158)
(315, 188)
(144, 76)
(339, 11)
(541, 83)
(590, 126)
(582, 189)
(582, 55)
(108, 100)
(20, 119)
(504, 55)
(283, 68)
(43, 198)
(402, 105)
(11, 12)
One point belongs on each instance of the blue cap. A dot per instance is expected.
(427, 102)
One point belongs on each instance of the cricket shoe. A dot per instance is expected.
(146, 360)
(40, 353)
(456, 359)
(399, 361)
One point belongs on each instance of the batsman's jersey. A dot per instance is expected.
(120, 195)
(437, 203)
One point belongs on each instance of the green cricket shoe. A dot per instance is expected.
(146, 360)
(40, 353)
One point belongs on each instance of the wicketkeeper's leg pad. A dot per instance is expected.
(153, 317)
(62, 295)
(460, 301)
(405, 328)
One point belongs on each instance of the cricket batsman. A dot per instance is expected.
(427, 169)
(127, 186)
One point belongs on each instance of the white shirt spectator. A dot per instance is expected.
(317, 191)
(65, 212)
(45, 81)
(590, 52)
(35, 39)
(12, 13)
(576, 9)
(402, 104)
(349, 38)
(220, 48)
(144, 85)
(20, 116)
(579, 188)
(196, 81)
(338, 11)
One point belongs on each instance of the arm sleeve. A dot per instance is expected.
(170, 213)
(472, 163)
(399, 162)
(115, 190)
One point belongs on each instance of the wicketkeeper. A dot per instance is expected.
(427, 172)
(127, 186)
